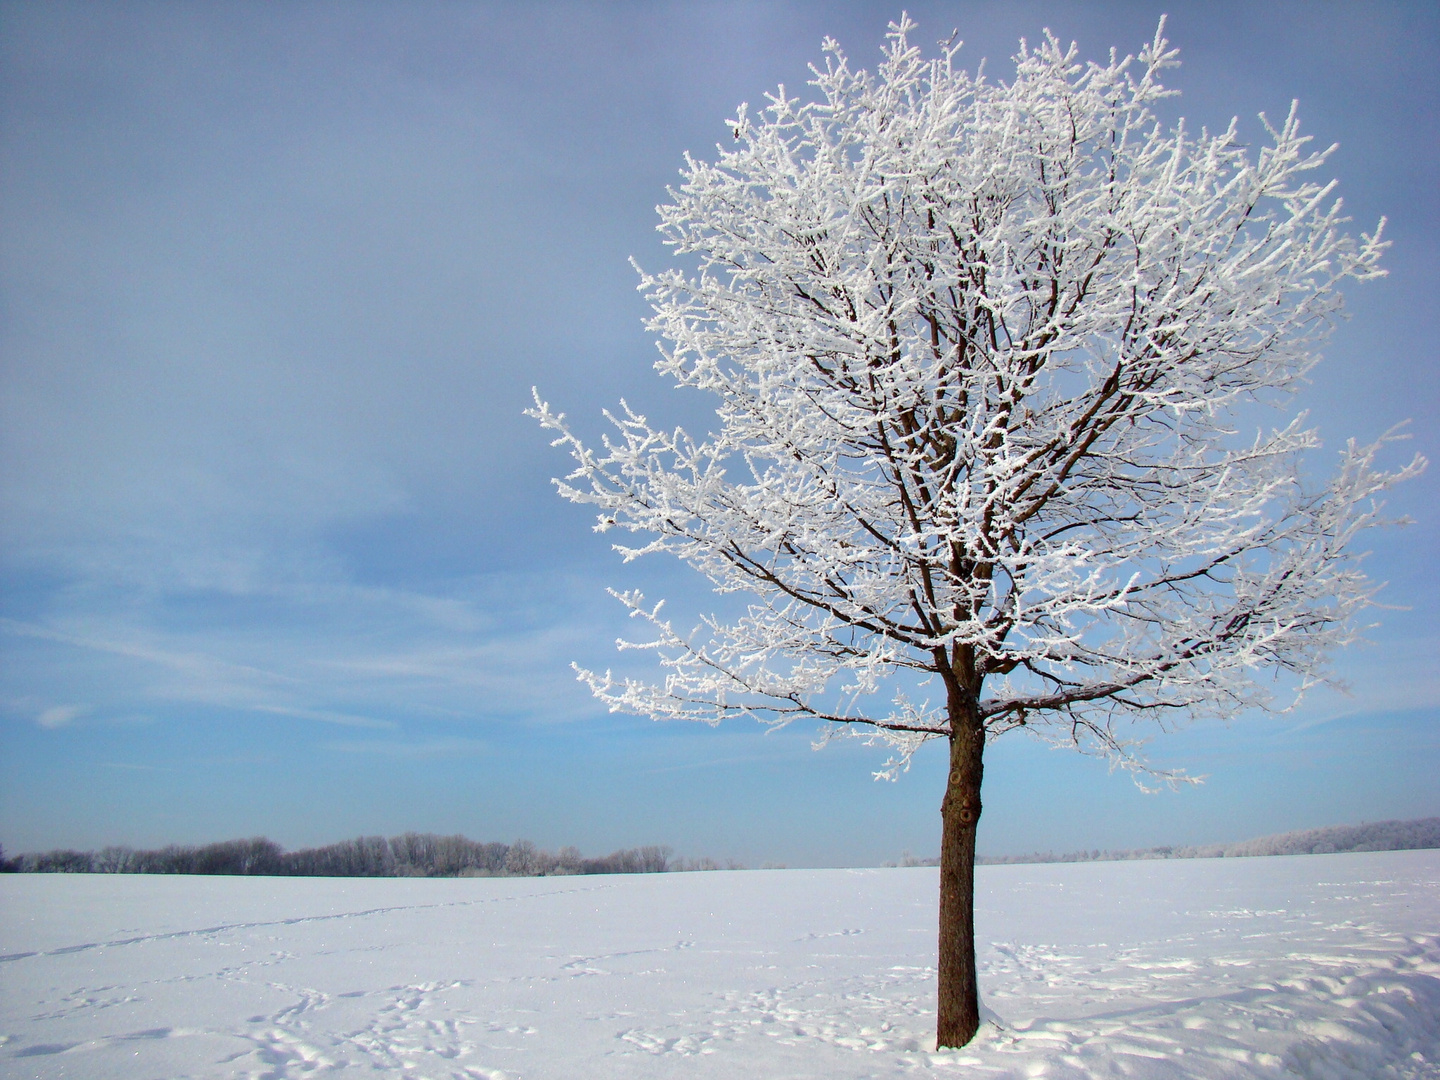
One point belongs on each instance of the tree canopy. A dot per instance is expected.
(978, 349)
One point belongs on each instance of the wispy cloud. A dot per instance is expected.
(197, 664)
(716, 763)
(323, 652)
(431, 748)
(1401, 677)
(58, 715)
(326, 716)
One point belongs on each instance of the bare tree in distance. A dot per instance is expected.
(981, 351)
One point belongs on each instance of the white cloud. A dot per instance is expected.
(319, 651)
(430, 748)
(326, 716)
(58, 716)
(1400, 676)
(126, 766)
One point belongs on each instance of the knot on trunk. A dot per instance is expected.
(968, 810)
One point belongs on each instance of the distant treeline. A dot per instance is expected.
(1376, 836)
(429, 855)
(411, 855)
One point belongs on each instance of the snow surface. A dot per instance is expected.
(1325, 966)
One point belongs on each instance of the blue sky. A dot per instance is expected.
(278, 552)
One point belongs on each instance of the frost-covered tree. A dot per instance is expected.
(983, 352)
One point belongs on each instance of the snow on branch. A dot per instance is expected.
(978, 349)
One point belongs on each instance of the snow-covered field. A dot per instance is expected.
(1324, 966)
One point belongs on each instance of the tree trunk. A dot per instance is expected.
(959, 997)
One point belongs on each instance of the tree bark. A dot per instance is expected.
(959, 993)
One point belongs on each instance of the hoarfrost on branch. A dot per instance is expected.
(981, 352)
